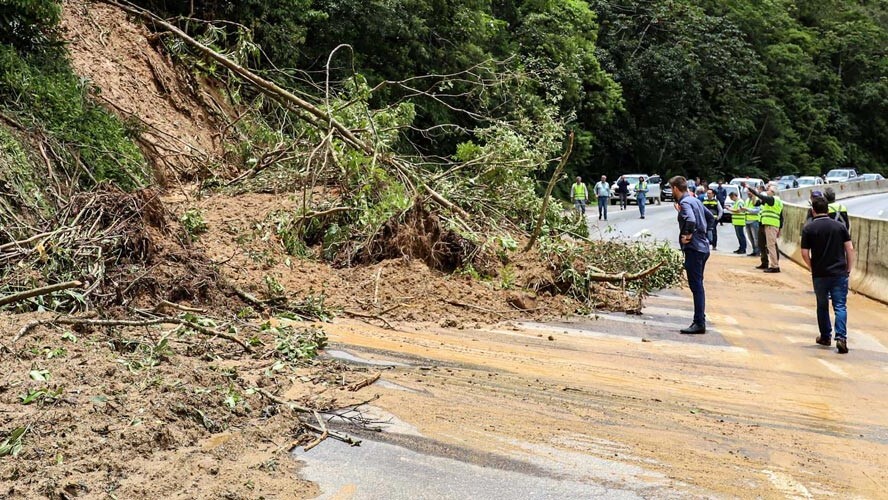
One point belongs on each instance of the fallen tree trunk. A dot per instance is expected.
(36, 292)
(552, 181)
(603, 277)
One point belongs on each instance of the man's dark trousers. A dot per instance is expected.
(695, 264)
(741, 237)
(763, 245)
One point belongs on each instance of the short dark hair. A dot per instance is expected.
(820, 205)
(830, 194)
(679, 182)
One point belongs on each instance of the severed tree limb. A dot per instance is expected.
(36, 292)
(322, 436)
(555, 176)
(603, 277)
(167, 320)
(357, 386)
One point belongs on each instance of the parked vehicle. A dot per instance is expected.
(654, 192)
(872, 177)
(758, 184)
(841, 175)
(810, 180)
(787, 182)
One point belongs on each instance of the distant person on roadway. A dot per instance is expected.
(711, 203)
(641, 191)
(837, 211)
(721, 193)
(769, 230)
(602, 193)
(693, 222)
(580, 195)
(738, 220)
(829, 254)
(623, 191)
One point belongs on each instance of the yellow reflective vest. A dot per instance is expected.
(771, 213)
(750, 217)
(579, 191)
(738, 217)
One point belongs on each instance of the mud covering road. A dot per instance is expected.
(623, 405)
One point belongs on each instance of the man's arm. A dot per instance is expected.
(806, 256)
(721, 211)
(688, 222)
(849, 256)
(767, 200)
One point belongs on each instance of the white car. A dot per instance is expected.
(753, 182)
(653, 194)
(810, 180)
(840, 175)
(872, 177)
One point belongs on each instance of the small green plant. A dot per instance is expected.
(193, 222)
(294, 345)
(273, 288)
(12, 445)
(507, 278)
(42, 395)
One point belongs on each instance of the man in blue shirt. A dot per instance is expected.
(693, 223)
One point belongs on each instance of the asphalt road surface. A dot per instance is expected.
(875, 206)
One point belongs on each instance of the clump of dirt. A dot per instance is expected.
(419, 235)
(157, 413)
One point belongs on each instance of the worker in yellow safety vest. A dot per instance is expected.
(738, 219)
(837, 211)
(580, 195)
(771, 222)
(752, 207)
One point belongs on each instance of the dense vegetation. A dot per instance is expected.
(48, 118)
(669, 86)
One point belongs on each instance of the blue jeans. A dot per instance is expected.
(642, 202)
(835, 288)
(602, 206)
(580, 205)
(752, 232)
(695, 264)
(712, 235)
(741, 237)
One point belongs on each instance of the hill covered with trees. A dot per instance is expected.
(669, 86)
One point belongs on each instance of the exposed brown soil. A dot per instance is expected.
(140, 421)
(157, 412)
(182, 120)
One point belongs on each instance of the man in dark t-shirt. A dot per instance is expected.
(829, 253)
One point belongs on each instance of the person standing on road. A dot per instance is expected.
(752, 207)
(829, 254)
(641, 190)
(623, 191)
(771, 222)
(738, 220)
(711, 203)
(837, 211)
(693, 222)
(602, 194)
(721, 193)
(580, 195)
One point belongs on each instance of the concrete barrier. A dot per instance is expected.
(842, 189)
(870, 236)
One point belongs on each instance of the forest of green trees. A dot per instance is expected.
(705, 88)
(709, 88)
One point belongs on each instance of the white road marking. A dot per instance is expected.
(787, 485)
(582, 332)
(833, 368)
(679, 298)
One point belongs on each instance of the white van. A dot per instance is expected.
(752, 182)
